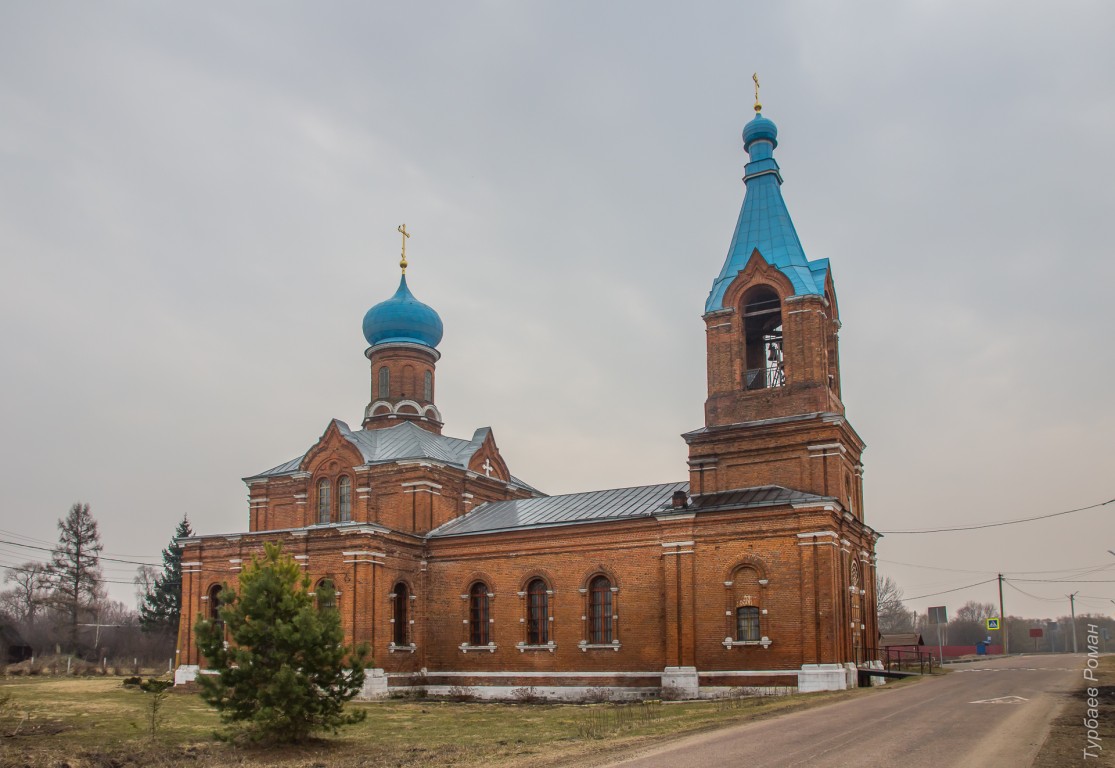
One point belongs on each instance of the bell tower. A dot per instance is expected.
(403, 334)
(773, 415)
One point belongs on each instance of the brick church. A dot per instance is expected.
(757, 573)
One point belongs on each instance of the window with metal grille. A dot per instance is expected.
(428, 388)
(401, 615)
(747, 624)
(325, 594)
(384, 382)
(478, 614)
(344, 498)
(600, 611)
(324, 500)
(538, 613)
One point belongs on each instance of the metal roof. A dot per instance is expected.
(570, 509)
(399, 443)
(765, 225)
(762, 496)
(615, 504)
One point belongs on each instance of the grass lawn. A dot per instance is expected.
(79, 722)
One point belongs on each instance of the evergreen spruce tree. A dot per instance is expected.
(284, 671)
(162, 605)
(75, 570)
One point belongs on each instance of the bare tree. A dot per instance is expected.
(75, 571)
(144, 582)
(28, 595)
(973, 611)
(893, 616)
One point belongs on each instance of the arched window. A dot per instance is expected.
(344, 498)
(762, 339)
(746, 605)
(384, 382)
(326, 595)
(324, 501)
(401, 615)
(428, 388)
(478, 614)
(747, 624)
(600, 611)
(538, 613)
(215, 603)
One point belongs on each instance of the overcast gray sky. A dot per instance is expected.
(198, 203)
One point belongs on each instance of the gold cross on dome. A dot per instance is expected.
(405, 234)
(758, 106)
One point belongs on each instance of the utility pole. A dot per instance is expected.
(1072, 609)
(1003, 619)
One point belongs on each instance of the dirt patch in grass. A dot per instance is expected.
(1073, 731)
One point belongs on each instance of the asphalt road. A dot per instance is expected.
(992, 713)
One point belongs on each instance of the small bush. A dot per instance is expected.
(527, 695)
(597, 696)
(461, 693)
(132, 682)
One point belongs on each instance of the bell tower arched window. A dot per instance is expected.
(762, 339)
(428, 388)
(324, 501)
(384, 389)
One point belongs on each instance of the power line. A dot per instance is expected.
(1004, 522)
(1035, 597)
(1079, 571)
(1071, 581)
(13, 534)
(51, 549)
(44, 572)
(947, 591)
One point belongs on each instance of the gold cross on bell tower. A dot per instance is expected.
(758, 106)
(405, 234)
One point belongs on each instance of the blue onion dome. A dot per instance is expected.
(759, 128)
(403, 318)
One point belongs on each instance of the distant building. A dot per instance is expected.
(758, 572)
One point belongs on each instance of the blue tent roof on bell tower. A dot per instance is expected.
(764, 222)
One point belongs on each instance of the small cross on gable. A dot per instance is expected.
(487, 467)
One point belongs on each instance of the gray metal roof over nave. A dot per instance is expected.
(603, 506)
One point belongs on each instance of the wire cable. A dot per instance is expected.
(1001, 523)
(947, 591)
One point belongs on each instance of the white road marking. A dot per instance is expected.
(1000, 700)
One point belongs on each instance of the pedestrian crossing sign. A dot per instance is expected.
(992, 624)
